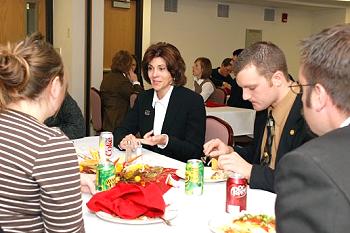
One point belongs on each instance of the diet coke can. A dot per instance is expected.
(106, 144)
(236, 193)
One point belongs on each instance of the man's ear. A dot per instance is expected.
(319, 97)
(277, 78)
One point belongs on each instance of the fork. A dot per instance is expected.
(166, 221)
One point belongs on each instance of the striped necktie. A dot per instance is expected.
(270, 128)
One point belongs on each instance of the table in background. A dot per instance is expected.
(240, 119)
(194, 212)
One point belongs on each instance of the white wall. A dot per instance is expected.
(195, 30)
(326, 18)
(97, 35)
(69, 36)
(77, 85)
(62, 25)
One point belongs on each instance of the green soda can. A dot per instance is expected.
(194, 177)
(105, 176)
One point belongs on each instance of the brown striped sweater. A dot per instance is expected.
(39, 177)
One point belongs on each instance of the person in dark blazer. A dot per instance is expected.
(69, 119)
(261, 70)
(313, 181)
(236, 92)
(169, 117)
(116, 89)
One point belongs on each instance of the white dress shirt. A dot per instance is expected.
(207, 88)
(345, 123)
(160, 107)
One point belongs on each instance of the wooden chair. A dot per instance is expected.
(218, 128)
(218, 96)
(96, 110)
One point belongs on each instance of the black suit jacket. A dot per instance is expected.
(184, 123)
(313, 186)
(294, 134)
(236, 97)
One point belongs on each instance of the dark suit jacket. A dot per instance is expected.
(115, 95)
(184, 123)
(69, 119)
(218, 79)
(236, 97)
(262, 177)
(313, 186)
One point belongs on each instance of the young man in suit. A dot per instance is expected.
(313, 181)
(261, 70)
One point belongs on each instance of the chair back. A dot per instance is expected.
(218, 128)
(96, 109)
(218, 96)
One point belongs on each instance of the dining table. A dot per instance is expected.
(193, 213)
(241, 120)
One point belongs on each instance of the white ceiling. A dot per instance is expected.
(305, 4)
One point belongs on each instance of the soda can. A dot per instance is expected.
(194, 177)
(236, 193)
(105, 176)
(106, 144)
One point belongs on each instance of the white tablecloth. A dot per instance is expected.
(194, 212)
(240, 119)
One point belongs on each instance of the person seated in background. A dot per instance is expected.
(261, 70)
(69, 119)
(135, 68)
(201, 71)
(235, 54)
(236, 93)
(169, 117)
(221, 76)
(116, 89)
(312, 181)
(40, 184)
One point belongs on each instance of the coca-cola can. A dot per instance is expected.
(236, 193)
(106, 144)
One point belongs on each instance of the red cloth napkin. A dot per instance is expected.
(130, 201)
(213, 104)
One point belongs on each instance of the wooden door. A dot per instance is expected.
(119, 30)
(13, 22)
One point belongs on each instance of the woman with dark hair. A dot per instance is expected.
(116, 89)
(169, 117)
(40, 185)
(201, 71)
(136, 68)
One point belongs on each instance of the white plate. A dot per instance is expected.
(168, 215)
(208, 172)
(218, 223)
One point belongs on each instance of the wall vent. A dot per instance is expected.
(223, 10)
(170, 5)
(269, 14)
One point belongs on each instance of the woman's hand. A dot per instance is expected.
(132, 76)
(129, 140)
(150, 139)
(87, 182)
